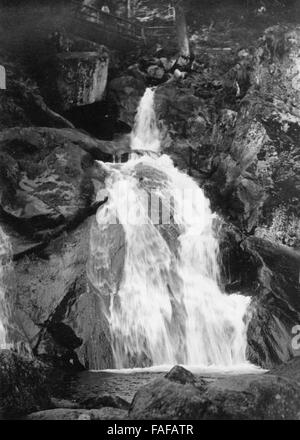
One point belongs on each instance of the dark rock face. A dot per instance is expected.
(238, 267)
(126, 91)
(291, 370)
(180, 375)
(79, 73)
(269, 273)
(22, 104)
(261, 170)
(49, 180)
(276, 306)
(44, 180)
(49, 184)
(63, 404)
(175, 105)
(234, 125)
(105, 401)
(261, 397)
(61, 315)
(22, 385)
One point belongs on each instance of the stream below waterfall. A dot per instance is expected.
(125, 383)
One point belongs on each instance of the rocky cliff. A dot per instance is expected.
(229, 117)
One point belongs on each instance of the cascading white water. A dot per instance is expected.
(169, 307)
(146, 134)
(5, 263)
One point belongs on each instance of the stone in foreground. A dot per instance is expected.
(105, 401)
(22, 385)
(243, 397)
(80, 414)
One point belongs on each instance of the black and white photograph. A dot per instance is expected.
(149, 213)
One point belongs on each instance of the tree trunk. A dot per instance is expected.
(129, 8)
(2, 78)
(181, 29)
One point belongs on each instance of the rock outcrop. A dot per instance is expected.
(261, 171)
(23, 387)
(79, 72)
(269, 273)
(126, 92)
(22, 103)
(180, 375)
(244, 397)
(80, 414)
(61, 315)
(234, 125)
(105, 401)
(290, 370)
(275, 310)
(49, 182)
(44, 180)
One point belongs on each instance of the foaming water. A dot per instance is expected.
(5, 263)
(169, 308)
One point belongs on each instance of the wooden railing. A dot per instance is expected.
(108, 22)
(117, 26)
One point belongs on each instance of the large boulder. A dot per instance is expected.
(275, 309)
(126, 92)
(156, 72)
(244, 397)
(259, 177)
(45, 179)
(175, 105)
(269, 273)
(234, 125)
(105, 401)
(77, 71)
(193, 110)
(80, 414)
(180, 375)
(290, 370)
(58, 310)
(22, 103)
(23, 386)
(49, 186)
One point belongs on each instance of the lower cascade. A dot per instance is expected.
(169, 307)
(5, 261)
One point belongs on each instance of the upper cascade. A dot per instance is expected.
(146, 135)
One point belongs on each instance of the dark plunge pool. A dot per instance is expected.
(125, 383)
(88, 384)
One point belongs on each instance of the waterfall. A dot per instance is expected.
(146, 134)
(5, 264)
(169, 307)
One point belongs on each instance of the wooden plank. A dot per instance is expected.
(105, 26)
(108, 37)
(106, 19)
